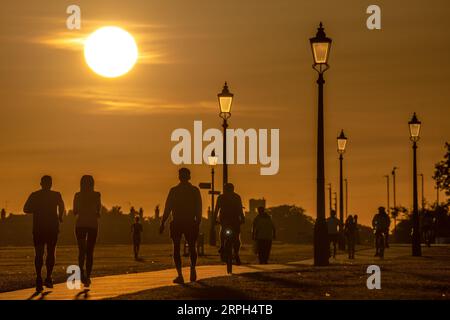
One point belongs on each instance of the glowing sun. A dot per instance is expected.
(110, 52)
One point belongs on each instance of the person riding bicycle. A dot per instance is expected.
(231, 216)
(380, 224)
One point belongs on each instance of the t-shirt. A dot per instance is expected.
(332, 225)
(137, 229)
(381, 222)
(230, 206)
(87, 206)
(263, 227)
(185, 203)
(43, 204)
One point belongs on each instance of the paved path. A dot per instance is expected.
(112, 286)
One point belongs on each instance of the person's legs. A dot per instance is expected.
(386, 237)
(334, 245)
(260, 250)
(137, 245)
(81, 241)
(39, 248)
(237, 244)
(268, 248)
(90, 245)
(191, 236)
(50, 259)
(176, 234)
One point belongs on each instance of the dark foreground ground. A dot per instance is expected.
(403, 277)
(17, 263)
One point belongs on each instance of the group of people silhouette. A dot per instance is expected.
(380, 224)
(183, 206)
(48, 210)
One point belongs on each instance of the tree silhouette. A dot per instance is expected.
(442, 172)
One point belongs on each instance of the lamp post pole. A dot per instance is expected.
(341, 144)
(416, 248)
(212, 231)
(225, 102)
(212, 160)
(330, 198)
(394, 188)
(414, 127)
(321, 245)
(423, 191)
(387, 189)
(346, 198)
(320, 46)
(341, 205)
(225, 165)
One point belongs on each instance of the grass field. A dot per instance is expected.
(405, 277)
(17, 263)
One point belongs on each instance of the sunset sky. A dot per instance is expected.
(60, 118)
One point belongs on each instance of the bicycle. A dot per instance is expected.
(227, 253)
(379, 243)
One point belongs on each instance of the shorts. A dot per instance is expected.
(333, 237)
(45, 238)
(189, 230)
(136, 240)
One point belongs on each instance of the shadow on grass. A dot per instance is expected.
(203, 291)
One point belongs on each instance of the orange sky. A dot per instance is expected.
(60, 118)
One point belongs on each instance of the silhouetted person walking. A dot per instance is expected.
(357, 239)
(47, 208)
(184, 202)
(350, 233)
(263, 232)
(380, 224)
(333, 233)
(136, 231)
(230, 215)
(87, 206)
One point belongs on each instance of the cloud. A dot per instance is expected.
(109, 102)
(147, 36)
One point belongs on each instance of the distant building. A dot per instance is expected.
(255, 203)
(3, 214)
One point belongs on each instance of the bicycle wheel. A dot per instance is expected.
(229, 256)
(381, 245)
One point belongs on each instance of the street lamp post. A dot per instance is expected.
(346, 198)
(422, 192)
(387, 190)
(330, 198)
(212, 161)
(320, 46)
(341, 144)
(394, 188)
(225, 102)
(414, 130)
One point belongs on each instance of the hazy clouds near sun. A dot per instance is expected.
(58, 117)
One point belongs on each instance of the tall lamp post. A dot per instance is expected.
(422, 192)
(341, 144)
(387, 190)
(212, 161)
(414, 130)
(320, 46)
(394, 188)
(225, 102)
(346, 198)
